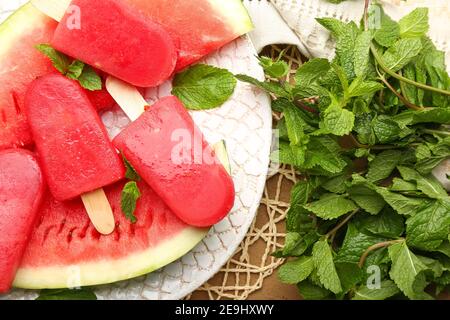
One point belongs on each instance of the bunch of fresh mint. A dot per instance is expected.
(367, 220)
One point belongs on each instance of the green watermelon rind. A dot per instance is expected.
(111, 270)
(16, 25)
(235, 14)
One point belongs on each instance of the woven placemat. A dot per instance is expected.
(252, 264)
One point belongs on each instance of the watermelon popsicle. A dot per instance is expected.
(75, 152)
(21, 191)
(169, 152)
(111, 36)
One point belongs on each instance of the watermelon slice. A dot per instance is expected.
(199, 26)
(21, 190)
(65, 250)
(20, 64)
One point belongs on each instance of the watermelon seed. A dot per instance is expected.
(47, 232)
(16, 102)
(61, 226)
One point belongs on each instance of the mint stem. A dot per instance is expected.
(438, 132)
(403, 79)
(375, 247)
(383, 66)
(401, 97)
(341, 224)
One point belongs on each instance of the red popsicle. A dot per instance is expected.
(21, 190)
(113, 37)
(171, 155)
(75, 151)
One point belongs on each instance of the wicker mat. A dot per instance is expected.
(252, 264)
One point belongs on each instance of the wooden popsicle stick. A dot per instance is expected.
(99, 211)
(53, 8)
(127, 97)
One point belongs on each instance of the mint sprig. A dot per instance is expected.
(203, 87)
(130, 192)
(130, 196)
(364, 132)
(72, 69)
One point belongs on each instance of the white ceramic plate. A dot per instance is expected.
(245, 123)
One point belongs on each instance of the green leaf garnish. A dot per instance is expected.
(130, 173)
(60, 61)
(203, 87)
(130, 196)
(90, 80)
(75, 70)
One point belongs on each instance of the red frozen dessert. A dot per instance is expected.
(171, 155)
(75, 151)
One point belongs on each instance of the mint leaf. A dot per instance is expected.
(383, 165)
(338, 121)
(275, 69)
(289, 154)
(203, 87)
(414, 24)
(296, 271)
(434, 265)
(366, 198)
(387, 290)
(434, 115)
(355, 244)
(311, 291)
(360, 88)
(294, 125)
(90, 80)
(364, 127)
(67, 294)
(310, 71)
(386, 130)
(60, 61)
(401, 185)
(326, 270)
(324, 152)
(345, 35)
(402, 53)
(302, 191)
(439, 78)
(403, 205)
(428, 185)
(130, 196)
(387, 224)
(437, 153)
(75, 70)
(361, 59)
(331, 206)
(350, 274)
(336, 184)
(386, 30)
(429, 226)
(130, 173)
(408, 272)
